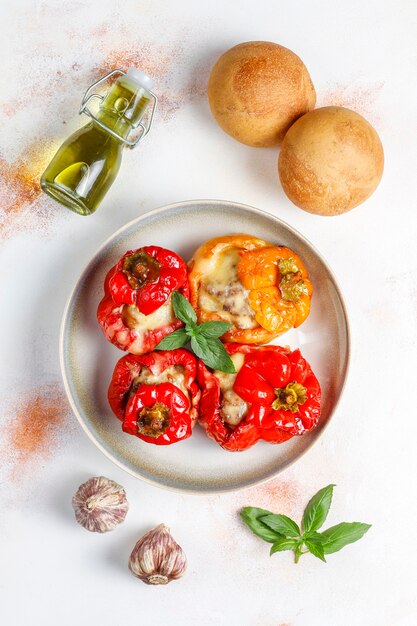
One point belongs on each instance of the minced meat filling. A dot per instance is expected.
(223, 292)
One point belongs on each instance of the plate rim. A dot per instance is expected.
(80, 280)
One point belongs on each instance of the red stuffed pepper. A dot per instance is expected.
(156, 395)
(136, 312)
(274, 396)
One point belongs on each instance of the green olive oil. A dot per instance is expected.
(85, 166)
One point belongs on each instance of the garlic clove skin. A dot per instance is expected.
(156, 558)
(100, 504)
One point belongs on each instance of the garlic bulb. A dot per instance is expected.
(100, 504)
(156, 558)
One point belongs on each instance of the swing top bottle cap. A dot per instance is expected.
(140, 77)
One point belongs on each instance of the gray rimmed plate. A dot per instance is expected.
(87, 360)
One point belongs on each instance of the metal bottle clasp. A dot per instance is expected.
(144, 128)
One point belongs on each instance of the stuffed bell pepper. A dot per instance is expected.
(156, 396)
(136, 312)
(273, 396)
(263, 290)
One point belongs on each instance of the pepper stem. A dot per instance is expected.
(153, 421)
(140, 268)
(291, 284)
(289, 398)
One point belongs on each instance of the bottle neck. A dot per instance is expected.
(123, 107)
(114, 122)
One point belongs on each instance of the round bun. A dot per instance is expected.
(257, 90)
(331, 160)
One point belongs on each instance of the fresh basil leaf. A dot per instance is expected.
(252, 517)
(177, 339)
(182, 308)
(313, 536)
(191, 329)
(213, 353)
(317, 509)
(214, 329)
(283, 544)
(199, 347)
(282, 524)
(315, 548)
(339, 536)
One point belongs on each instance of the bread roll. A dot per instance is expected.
(257, 90)
(331, 160)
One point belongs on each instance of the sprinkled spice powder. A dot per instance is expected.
(275, 495)
(22, 205)
(33, 431)
(163, 64)
(158, 63)
(359, 98)
(12, 107)
(152, 60)
(18, 185)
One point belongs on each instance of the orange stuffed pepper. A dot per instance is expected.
(262, 289)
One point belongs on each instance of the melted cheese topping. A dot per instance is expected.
(141, 323)
(174, 374)
(223, 293)
(232, 408)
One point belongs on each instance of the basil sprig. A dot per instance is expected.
(205, 342)
(285, 534)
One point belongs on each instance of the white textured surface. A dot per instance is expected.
(52, 571)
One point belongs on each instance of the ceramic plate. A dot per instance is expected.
(197, 464)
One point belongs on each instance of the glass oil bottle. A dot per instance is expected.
(85, 166)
